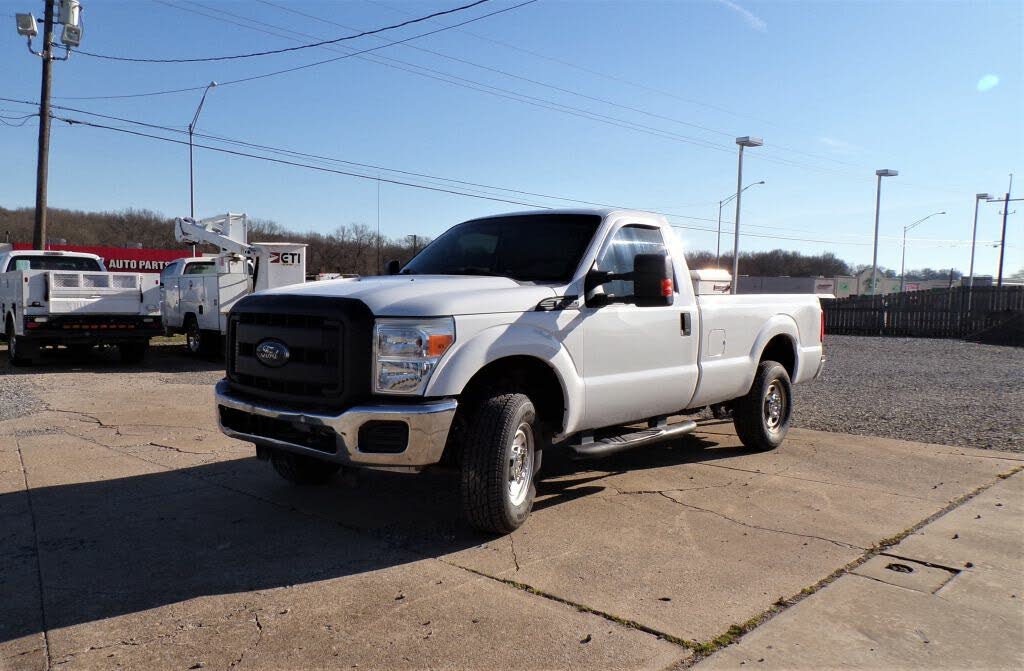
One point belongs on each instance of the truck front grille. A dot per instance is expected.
(328, 345)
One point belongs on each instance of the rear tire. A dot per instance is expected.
(200, 341)
(133, 352)
(301, 470)
(19, 353)
(499, 460)
(762, 416)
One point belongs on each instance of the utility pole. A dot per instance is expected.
(70, 37)
(1002, 245)
(42, 162)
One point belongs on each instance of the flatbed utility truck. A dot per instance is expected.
(197, 292)
(51, 298)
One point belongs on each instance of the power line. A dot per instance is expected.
(467, 188)
(270, 52)
(82, 122)
(286, 70)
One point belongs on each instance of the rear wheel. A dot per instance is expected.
(499, 460)
(200, 341)
(19, 352)
(303, 470)
(762, 416)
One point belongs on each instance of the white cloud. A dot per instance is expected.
(751, 19)
(837, 145)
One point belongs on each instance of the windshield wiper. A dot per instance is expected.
(472, 270)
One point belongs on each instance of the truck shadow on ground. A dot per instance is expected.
(126, 545)
(161, 359)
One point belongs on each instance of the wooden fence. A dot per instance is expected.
(936, 313)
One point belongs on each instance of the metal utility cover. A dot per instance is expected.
(905, 573)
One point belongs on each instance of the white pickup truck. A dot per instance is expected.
(69, 298)
(574, 329)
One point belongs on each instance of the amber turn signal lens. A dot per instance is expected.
(438, 344)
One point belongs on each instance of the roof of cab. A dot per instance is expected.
(603, 212)
(39, 252)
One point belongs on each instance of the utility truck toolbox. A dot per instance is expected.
(711, 281)
(473, 355)
(51, 298)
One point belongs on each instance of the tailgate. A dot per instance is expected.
(70, 292)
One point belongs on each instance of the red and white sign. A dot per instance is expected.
(123, 259)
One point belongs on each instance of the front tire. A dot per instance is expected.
(301, 470)
(499, 460)
(762, 416)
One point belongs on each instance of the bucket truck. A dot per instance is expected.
(197, 292)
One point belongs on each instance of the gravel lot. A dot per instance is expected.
(948, 392)
(937, 391)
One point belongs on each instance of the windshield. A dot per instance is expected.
(53, 263)
(528, 248)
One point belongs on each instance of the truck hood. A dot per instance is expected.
(429, 295)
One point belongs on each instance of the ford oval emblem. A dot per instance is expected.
(273, 353)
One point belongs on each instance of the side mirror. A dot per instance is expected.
(652, 279)
(392, 267)
(653, 283)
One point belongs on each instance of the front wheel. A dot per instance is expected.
(302, 470)
(499, 460)
(762, 416)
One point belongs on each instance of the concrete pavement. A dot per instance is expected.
(137, 536)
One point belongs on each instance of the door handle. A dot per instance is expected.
(684, 324)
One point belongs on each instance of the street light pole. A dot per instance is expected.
(878, 203)
(191, 180)
(721, 204)
(745, 141)
(905, 229)
(974, 236)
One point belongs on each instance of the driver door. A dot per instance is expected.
(638, 361)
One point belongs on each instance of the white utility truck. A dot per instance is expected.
(197, 292)
(69, 298)
(566, 329)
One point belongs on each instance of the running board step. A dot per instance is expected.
(604, 447)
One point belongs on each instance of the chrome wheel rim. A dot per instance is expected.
(192, 339)
(774, 406)
(520, 464)
(12, 346)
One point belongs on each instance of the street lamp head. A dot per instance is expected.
(26, 25)
(747, 141)
(982, 196)
(887, 173)
(211, 85)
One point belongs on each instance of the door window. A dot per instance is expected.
(200, 269)
(627, 242)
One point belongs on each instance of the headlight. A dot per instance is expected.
(406, 351)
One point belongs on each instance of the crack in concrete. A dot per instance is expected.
(252, 647)
(843, 544)
(177, 449)
(515, 557)
(39, 558)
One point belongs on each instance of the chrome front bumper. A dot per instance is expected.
(428, 422)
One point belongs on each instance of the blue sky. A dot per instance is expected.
(836, 89)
